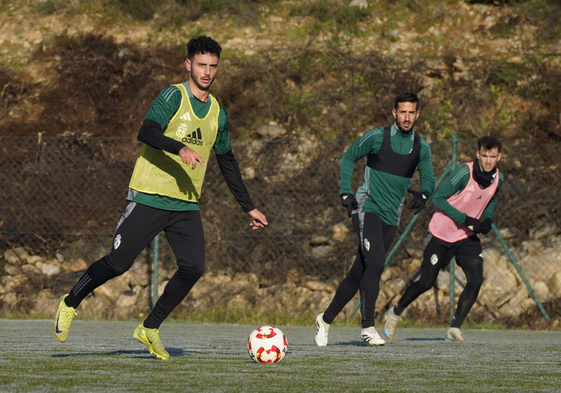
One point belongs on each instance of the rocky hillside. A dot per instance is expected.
(300, 79)
(321, 67)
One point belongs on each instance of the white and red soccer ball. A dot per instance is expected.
(267, 344)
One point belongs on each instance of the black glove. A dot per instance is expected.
(349, 201)
(487, 226)
(419, 200)
(474, 224)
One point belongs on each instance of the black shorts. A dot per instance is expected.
(438, 253)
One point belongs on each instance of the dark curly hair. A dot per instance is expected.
(203, 44)
(407, 97)
(489, 143)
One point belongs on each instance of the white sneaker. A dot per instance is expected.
(371, 336)
(322, 329)
(391, 324)
(454, 334)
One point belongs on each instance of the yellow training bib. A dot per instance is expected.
(159, 172)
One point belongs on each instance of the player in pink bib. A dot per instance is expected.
(465, 205)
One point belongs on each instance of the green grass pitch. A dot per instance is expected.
(103, 356)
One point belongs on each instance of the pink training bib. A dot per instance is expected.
(472, 201)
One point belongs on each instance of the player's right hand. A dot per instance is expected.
(190, 157)
(349, 202)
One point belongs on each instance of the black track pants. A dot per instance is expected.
(437, 256)
(138, 225)
(374, 238)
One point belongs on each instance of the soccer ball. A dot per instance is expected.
(267, 344)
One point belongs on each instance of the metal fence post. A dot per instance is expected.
(452, 266)
(522, 275)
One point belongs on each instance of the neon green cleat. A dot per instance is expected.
(151, 337)
(63, 320)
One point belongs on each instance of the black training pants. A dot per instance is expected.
(138, 225)
(374, 238)
(437, 256)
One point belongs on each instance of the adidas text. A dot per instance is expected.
(195, 138)
(192, 141)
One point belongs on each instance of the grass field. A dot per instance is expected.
(103, 356)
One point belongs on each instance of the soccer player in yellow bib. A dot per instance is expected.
(182, 126)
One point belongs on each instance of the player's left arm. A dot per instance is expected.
(425, 168)
(231, 172)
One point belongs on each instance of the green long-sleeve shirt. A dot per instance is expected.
(453, 185)
(383, 193)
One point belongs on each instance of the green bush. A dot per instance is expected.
(245, 11)
(49, 7)
(139, 9)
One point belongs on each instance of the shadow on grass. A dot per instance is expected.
(363, 344)
(355, 343)
(173, 352)
(425, 339)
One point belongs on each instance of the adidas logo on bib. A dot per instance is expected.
(194, 138)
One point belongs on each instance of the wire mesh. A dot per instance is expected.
(65, 194)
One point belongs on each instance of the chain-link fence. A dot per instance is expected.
(64, 195)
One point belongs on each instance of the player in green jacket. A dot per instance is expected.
(183, 125)
(393, 155)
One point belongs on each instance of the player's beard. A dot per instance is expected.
(484, 170)
(402, 129)
(201, 86)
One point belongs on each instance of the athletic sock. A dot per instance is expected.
(71, 301)
(456, 322)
